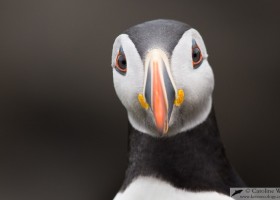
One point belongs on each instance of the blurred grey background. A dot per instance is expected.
(63, 131)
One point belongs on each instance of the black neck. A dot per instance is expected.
(193, 160)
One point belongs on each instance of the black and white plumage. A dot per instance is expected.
(162, 77)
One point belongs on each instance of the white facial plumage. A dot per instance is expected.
(197, 84)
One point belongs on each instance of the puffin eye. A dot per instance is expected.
(196, 55)
(121, 65)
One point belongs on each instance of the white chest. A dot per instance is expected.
(148, 188)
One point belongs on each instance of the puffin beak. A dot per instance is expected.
(159, 89)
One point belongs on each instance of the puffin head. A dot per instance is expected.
(162, 77)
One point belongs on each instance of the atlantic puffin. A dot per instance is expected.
(163, 78)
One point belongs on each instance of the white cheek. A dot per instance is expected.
(127, 89)
(128, 86)
(199, 84)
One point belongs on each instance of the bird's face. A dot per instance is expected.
(165, 82)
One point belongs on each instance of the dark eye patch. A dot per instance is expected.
(196, 55)
(121, 64)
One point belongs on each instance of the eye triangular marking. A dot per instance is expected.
(121, 64)
(197, 57)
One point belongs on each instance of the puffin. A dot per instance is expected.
(162, 76)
